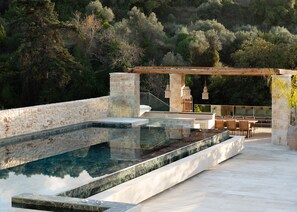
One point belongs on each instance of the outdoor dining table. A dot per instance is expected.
(251, 121)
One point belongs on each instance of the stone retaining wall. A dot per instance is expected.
(33, 119)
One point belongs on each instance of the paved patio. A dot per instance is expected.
(262, 178)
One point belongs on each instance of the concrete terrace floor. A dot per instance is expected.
(262, 178)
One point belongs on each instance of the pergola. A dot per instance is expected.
(223, 71)
(280, 107)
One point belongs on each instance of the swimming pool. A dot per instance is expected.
(82, 160)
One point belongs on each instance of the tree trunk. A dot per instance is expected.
(292, 137)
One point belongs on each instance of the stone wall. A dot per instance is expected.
(33, 119)
(125, 95)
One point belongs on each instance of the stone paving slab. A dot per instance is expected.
(263, 178)
(132, 121)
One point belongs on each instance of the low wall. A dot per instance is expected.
(141, 188)
(33, 119)
(204, 120)
(174, 122)
(23, 152)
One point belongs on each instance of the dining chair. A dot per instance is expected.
(228, 117)
(245, 126)
(219, 124)
(253, 125)
(231, 125)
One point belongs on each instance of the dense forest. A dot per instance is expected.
(60, 50)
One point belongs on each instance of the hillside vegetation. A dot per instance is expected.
(60, 50)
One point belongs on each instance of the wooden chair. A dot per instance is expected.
(219, 124)
(228, 117)
(245, 126)
(231, 125)
(253, 125)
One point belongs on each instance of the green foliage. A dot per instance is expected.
(45, 60)
(103, 13)
(171, 59)
(293, 99)
(279, 35)
(197, 109)
(210, 9)
(146, 32)
(66, 8)
(115, 52)
(201, 42)
(273, 12)
(261, 53)
(44, 63)
(239, 91)
(2, 32)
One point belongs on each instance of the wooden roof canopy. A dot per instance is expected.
(224, 71)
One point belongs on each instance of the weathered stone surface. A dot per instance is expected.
(280, 111)
(33, 119)
(177, 81)
(57, 203)
(292, 137)
(125, 95)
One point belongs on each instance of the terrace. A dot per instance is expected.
(261, 178)
(124, 102)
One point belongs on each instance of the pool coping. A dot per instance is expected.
(139, 189)
(56, 203)
(121, 176)
(104, 122)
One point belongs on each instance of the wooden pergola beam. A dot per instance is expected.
(225, 71)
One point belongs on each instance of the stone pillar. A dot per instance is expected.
(280, 109)
(125, 95)
(177, 82)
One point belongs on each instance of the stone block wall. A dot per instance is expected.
(177, 81)
(125, 95)
(33, 119)
(280, 111)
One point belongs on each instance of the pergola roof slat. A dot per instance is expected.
(226, 71)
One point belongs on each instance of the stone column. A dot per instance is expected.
(280, 109)
(177, 82)
(125, 95)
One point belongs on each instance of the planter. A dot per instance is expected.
(292, 137)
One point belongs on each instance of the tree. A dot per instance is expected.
(145, 32)
(273, 12)
(254, 53)
(103, 13)
(210, 9)
(278, 35)
(66, 8)
(44, 63)
(171, 59)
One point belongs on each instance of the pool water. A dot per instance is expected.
(60, 162)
